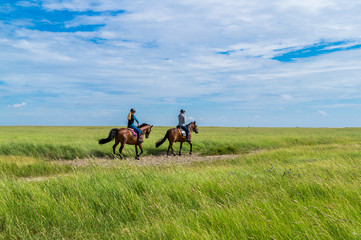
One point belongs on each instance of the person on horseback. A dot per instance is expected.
(131, 119)
(182, 123)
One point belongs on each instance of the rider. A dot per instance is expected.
(131, 118)
(182, 123)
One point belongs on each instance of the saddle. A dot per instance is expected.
(133, 132)
(182, 131)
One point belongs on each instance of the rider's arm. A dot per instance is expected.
(183, 120)
(135, 118)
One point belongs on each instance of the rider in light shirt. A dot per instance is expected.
(182, 123)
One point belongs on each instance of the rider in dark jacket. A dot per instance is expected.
(131, 119)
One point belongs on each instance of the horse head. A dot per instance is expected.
(147, 128)
(193, 126)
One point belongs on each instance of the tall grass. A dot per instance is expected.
(304, 184)
(81, 142)
(282, 194)
(14, 166)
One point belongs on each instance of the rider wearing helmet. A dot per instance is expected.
(131, 119)
(182, 123)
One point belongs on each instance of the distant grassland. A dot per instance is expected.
(73, 142)
(285, 183)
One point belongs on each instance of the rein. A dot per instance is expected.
(189, 127)
(143, 128)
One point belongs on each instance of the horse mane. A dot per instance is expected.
(189, 124)
(143, 124)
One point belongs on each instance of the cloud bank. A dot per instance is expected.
(87, 62)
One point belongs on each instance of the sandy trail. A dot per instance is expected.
(185, 159)
(144, 161)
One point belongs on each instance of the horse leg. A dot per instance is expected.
(171, 147)
(115, 145)
(136, 151)
(141, 150)
(180, 148)
(190, 151)
(168, 150)
(121, 149)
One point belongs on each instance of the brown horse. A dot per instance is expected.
(124, 136)
(175, 135)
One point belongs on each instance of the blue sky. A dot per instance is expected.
(259, 63)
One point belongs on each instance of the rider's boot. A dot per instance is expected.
(139, 135)
(187, 137)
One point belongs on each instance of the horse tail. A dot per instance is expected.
(110, 137)
(161, 141)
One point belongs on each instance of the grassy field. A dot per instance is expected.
(73, 142)
(282, 183)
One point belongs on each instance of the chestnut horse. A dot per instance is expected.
(124, 136)
(175, 135)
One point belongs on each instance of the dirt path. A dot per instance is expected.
(185, 159)
(145, 161)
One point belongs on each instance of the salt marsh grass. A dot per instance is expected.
(80, 142)
(282, 184)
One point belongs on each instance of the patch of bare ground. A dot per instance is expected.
(144, 161)
(184, 159)
(36, 179)
(149, 160)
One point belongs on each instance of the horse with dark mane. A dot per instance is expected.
(175, 135)
(125, 136)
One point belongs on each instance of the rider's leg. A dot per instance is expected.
(187, 133)
(139, 133)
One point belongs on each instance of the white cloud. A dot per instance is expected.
(286, 97)
(323, 113)
(19, 105)
(27, 4)
(167, 51)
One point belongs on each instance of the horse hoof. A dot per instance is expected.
(137, 158)
(190, 153)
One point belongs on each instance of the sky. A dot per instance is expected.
(281, 63)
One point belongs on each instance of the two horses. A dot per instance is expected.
(124, 136)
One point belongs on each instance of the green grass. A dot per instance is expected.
(298, 184)
(81, 142)
(29, 167)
